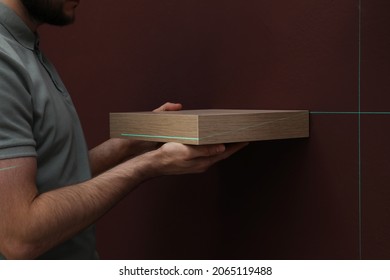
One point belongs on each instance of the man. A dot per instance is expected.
(52, 190)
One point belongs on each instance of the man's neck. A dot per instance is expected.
(21, 11)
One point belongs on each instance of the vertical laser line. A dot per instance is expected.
(359, 128)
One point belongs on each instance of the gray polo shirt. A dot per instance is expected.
(38, 119)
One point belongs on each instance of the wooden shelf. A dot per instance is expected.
(200, 127)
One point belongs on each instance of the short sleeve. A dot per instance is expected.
(16, 110)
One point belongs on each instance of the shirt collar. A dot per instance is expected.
(17, 28)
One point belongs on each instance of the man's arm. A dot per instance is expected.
(32, 223)
(114, 151)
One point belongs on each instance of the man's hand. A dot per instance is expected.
(175, 158)
(116, 150)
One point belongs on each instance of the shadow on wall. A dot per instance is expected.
(255, 191)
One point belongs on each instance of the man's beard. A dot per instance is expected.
(47, 11)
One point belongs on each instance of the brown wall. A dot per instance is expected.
(326, 197)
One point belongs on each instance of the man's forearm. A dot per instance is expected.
(42, 221)
(115, 151)
(56, 216)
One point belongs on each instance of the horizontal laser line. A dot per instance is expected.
(160, 136)
(8, 168)
(349, 113)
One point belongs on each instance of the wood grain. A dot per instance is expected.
(199, 127)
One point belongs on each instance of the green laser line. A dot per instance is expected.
(8, 168)
(348, 113)
(360, 220)
(359, 113)
(159, 136)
